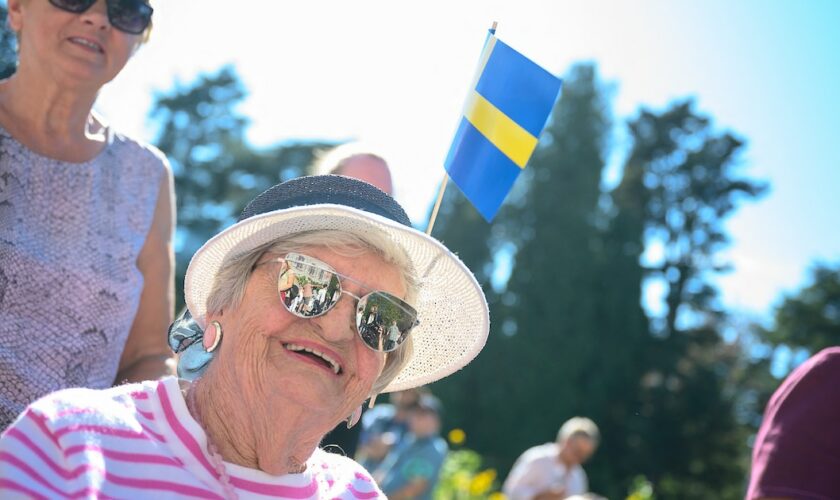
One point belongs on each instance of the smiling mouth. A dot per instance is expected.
(316, 355)
(87, 44)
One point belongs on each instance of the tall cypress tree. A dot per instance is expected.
(623, 336)
(552, 297)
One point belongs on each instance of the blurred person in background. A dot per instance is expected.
(412, 466)
(553, 470)
(357, 160)
(86, 214)
(385, 426)
(797, 449)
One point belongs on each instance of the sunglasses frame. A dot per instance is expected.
(145, 7)
(406, 307)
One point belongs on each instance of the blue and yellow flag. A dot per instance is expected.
(507, 107)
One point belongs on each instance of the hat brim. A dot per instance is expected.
(453, 313)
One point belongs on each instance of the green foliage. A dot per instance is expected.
(463, 478)
(690, 187)
(806, 322)
(641, 489)
(810, 319)
(8, 46)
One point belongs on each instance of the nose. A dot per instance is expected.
(97, 15)
(339, 324)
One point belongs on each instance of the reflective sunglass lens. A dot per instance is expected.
(307, 286)
(384, 320)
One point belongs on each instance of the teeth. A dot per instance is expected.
(335, 366)
(86, 43)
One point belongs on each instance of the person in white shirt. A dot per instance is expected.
(553, 470)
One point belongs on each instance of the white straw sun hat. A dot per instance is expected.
(453, 314)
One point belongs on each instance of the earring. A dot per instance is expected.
(353, 419)
(211, 341)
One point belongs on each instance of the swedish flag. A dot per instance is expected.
(507, 107)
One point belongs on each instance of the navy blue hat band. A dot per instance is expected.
(326, 189)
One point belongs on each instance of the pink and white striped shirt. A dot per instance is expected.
(139, 441)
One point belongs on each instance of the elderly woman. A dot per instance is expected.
(86, 263)
(273, 379)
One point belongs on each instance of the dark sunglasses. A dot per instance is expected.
(131, 16)
(309, 288)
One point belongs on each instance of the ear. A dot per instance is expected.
(15, 15)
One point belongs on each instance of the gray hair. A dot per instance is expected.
(229, 285)
(579, 426)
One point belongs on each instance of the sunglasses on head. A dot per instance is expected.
(130, 16)
(309, 288)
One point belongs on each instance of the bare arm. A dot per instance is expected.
(146, 355)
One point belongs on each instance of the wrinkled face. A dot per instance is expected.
(275, 358)
(71, 49)
(369, 169)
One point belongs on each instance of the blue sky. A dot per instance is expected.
(396, 73)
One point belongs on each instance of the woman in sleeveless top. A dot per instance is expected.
(86, 214)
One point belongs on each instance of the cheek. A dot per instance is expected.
(125, 53)
(371, 364)
(264, 304)
(264, 320)
(124, 45)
